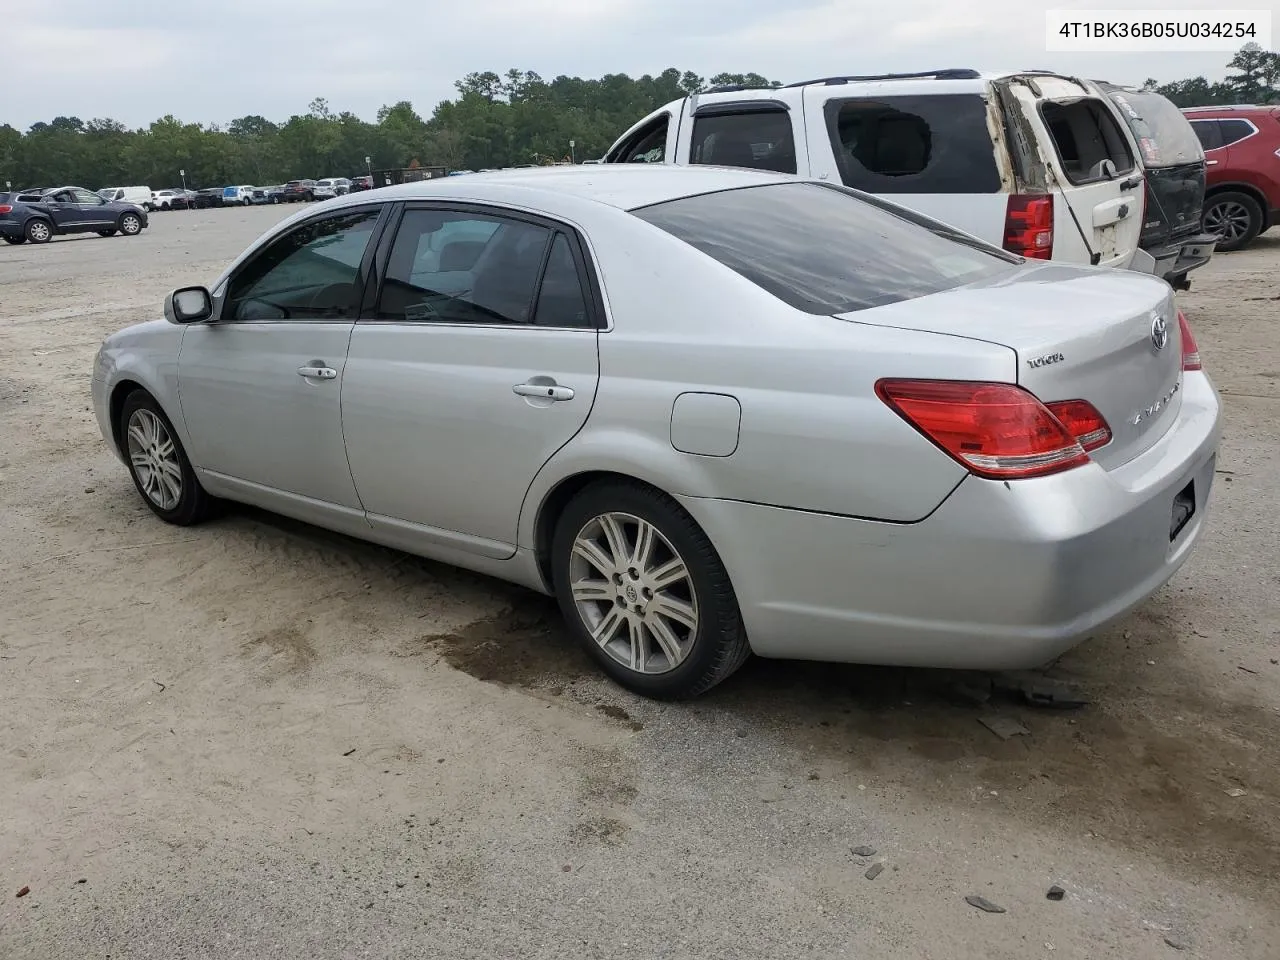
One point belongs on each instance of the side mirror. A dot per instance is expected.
(188, 305)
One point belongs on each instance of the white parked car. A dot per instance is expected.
(241, 195)
(170, 199)
(332, 187)
(1033, 162)
(712, 411)
(137, 195)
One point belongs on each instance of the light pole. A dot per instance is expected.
(183, 175)
(572, 157)
(368, 165)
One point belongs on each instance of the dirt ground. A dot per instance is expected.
(256, 739)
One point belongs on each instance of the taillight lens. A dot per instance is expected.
(996, 430)
(1190, 349)
(6, 208)
(1028, 225)
(1083, 421)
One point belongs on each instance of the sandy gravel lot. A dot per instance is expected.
(255, 739)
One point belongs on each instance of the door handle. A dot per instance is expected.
(546, 391)
(1210, 163)
(318, 373)
(1131, 183)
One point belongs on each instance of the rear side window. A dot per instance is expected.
(926, 144)
(1208, 132)
(1085, 135)
(757, 139)
(1233, 131)
(824, 250)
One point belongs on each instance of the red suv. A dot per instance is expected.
(1242, 159)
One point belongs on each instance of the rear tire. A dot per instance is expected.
(106, 233)
(38, 230)
(15, 240)
(643, 589)
(1237, 217)
(161, 471)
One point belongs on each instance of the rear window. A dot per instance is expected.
(1233, 131)
(937, 143)
(1164, 136)
(824, 249)
(1086, 136)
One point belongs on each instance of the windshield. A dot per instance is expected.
(825, 249)
(1163, 133)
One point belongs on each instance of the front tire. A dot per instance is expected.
(106, 233)
(39, 231)
(130, 224)
(158, 464)
(1236, 217)
(644, 591)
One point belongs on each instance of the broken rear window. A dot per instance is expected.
(1086, 136)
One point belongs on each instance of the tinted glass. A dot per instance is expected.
(1208, 133)
(1085, 134)
(648, 145)
(926, 144)
(1163, 133)
(85, 196)
(311, 273)
(1233, 131)
(760, 141)
(561, 298)
(453, 267)
(822, 249)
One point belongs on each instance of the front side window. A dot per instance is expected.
(311, 273)
(646, 145)
(85, 196)
(935, 143)
(1086, 136)
(824, 249)
(1233, 131)
(758, 140)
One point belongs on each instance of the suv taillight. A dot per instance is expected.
(1028, 225)
(1190, 349)
(997, 430)
(6, 208)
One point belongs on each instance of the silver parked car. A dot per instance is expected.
(712, 411)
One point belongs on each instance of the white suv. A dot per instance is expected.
(1033, 162)
(332, 187)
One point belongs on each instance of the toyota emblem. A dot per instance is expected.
(1159, 332)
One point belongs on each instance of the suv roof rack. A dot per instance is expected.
(730, 88)
(950, 73)
(1229, 106)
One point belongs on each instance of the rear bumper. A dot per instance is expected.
(10, 228)
(1177, 258)
(1000, 576)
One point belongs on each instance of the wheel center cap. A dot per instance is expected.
(630, 593)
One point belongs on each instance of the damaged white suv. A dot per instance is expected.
(1034, 162)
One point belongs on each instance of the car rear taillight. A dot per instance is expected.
(6, 208)
(1083, 421)
(1190, 349)
(995, 430)
(1028, 225)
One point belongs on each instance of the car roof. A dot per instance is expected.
(625, 186)
(1234, 108)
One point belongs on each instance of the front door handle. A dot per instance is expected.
(1131, 183)
(318, 373)
(546, 391)
(1211, 163)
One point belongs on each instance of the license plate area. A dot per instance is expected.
(1184, 508)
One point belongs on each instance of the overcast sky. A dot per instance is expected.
(215, 60)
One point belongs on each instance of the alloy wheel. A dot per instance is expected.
(1230, 219)
(130, 224)
(38, 232)
(634, 593)
(154, 458)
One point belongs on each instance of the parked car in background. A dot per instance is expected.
(169, 200)
(331, 187)
(139, 195)
(207, 197)
(1242, 153)
(39, 217)
(1013, 453)
(361, 183)
(237, 196)
(297, 191)
(266, 194)
(1173, 162)
(1057, 180)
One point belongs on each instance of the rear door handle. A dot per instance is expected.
(1131, 183)
(318, 373)
(1211, 163)
(547, 391)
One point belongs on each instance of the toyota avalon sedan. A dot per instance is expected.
(714, 412)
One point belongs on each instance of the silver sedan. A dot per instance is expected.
(714, 412)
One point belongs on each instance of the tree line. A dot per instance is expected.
(493, 121)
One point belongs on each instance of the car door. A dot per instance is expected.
(95, 212)
(476, 363)
(65, 212)
(260, 386)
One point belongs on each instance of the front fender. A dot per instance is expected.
(146, 355)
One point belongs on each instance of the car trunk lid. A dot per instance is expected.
(1078, 334)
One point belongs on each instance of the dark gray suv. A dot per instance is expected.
(37, 216)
